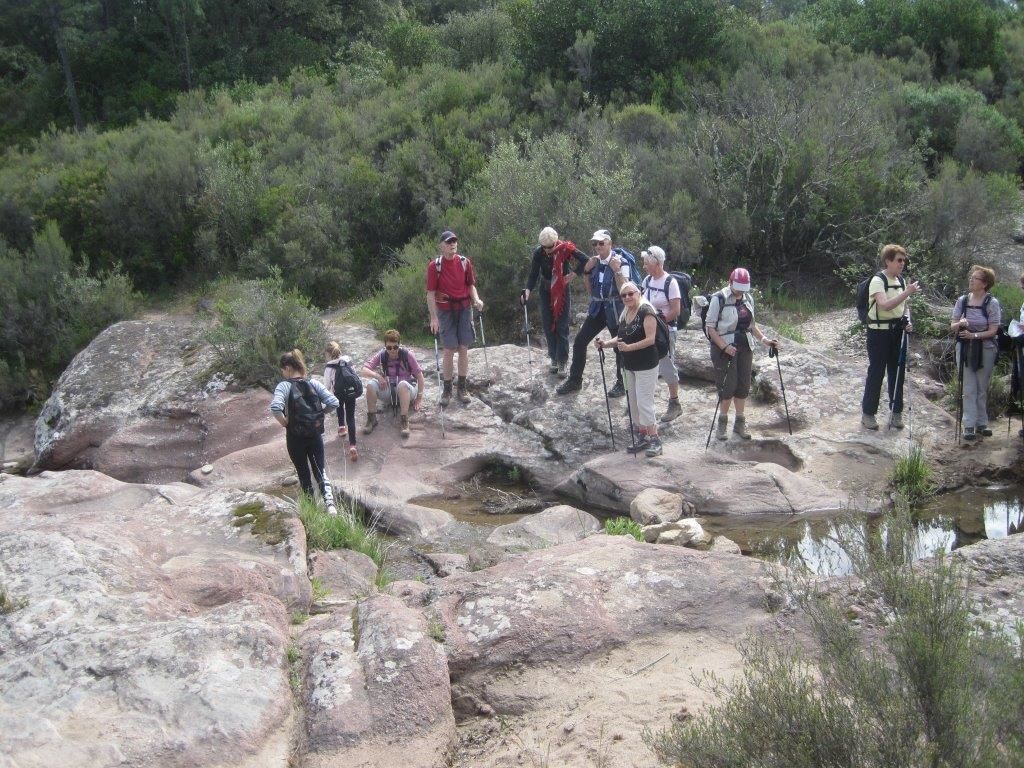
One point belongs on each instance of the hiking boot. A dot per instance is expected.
(371, 423)
(867, 420)
(739, 428)
(617, 391)
(405, 426)
(674, 410)
(567, 386)
(461, 392)
(653, 448)
(897, 420)
(446, 393)
(642, 444)
(562, 372)
(723, 426)
(553, 368)
(969, 433)
(353, 453)
(984, 431)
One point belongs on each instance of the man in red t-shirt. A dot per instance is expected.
(451, 296)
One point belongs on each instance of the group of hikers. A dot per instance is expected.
(641, 315)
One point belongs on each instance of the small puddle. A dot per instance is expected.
(944, 524)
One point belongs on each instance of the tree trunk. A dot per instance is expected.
(65, 61)
(186, 53)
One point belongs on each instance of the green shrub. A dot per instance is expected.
(934, 690)
(623, 526)
(257, 320)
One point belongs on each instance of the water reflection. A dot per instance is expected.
(946, 524)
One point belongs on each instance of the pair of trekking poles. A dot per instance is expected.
(772, 352)
(437, 368)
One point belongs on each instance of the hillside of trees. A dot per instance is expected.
(154, 146)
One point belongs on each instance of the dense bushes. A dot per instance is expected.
(52, 309)
(256, 321)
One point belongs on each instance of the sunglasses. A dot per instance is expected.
(391, 346)
(624, 294)
(901, 261)
(452, 240)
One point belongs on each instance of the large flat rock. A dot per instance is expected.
(149, 630)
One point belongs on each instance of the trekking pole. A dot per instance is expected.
(960, 390)
(773, 351)
(526, 330)
(483, 340)
(718, 403)
(629, 413)
(607, 404)
(440, 386)
(901, 365)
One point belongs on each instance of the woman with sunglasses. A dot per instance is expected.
(888, 317)
(638, 325)
(975, 321)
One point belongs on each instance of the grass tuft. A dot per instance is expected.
(624, 526)
(343, 531)
(8, 604)
(912, 476)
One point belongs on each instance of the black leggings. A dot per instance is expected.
(307, 454)
(592, 326)
(883, 362)
(347, 417)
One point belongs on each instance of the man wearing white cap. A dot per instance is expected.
(555, 263)
(663, 292)
(607, 271)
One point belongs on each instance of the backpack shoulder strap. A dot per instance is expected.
(985, 303)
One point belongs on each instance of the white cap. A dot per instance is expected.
(654, 253)
(547, 237)
(601, 235)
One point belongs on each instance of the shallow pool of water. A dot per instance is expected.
(945, 524)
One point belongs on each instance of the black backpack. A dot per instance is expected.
(708, 298)
(685, 283)
(305, 411)
(347, 384)
(864, 299)
(403, 360)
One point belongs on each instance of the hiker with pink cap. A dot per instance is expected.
(731, 329)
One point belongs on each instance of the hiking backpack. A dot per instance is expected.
(305, 411)
(685, 283)
(403, 360)
(463, 261)
(704, 305)
(662, 336)
(1004, 344)
(864, 300)
(347, 384)
(630, 259)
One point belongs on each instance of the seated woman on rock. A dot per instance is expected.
(635, 341)
(731, 330)
(299, 405)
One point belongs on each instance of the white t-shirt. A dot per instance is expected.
(655, 292)
(605, 273)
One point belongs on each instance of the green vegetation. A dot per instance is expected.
(257, 320)
(312, 153)
(912, 476)
(266, 523)
(343, 531)
(435, 630)
(936, 689)
(9, 604)
(623, 526)
(319, 590)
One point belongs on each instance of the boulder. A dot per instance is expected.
(561, 604)
(17, 436)
(151, 630)
(725, 545)
(655, 505)
(138, 405)
(376, 693)
(714, 483)
(446, 563)
(555, 525)
(682, 533)
(343, 573)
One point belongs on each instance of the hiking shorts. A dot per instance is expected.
(384, 393)
(456, 327)
(667, 365)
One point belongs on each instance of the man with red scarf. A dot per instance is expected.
(553, 265)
